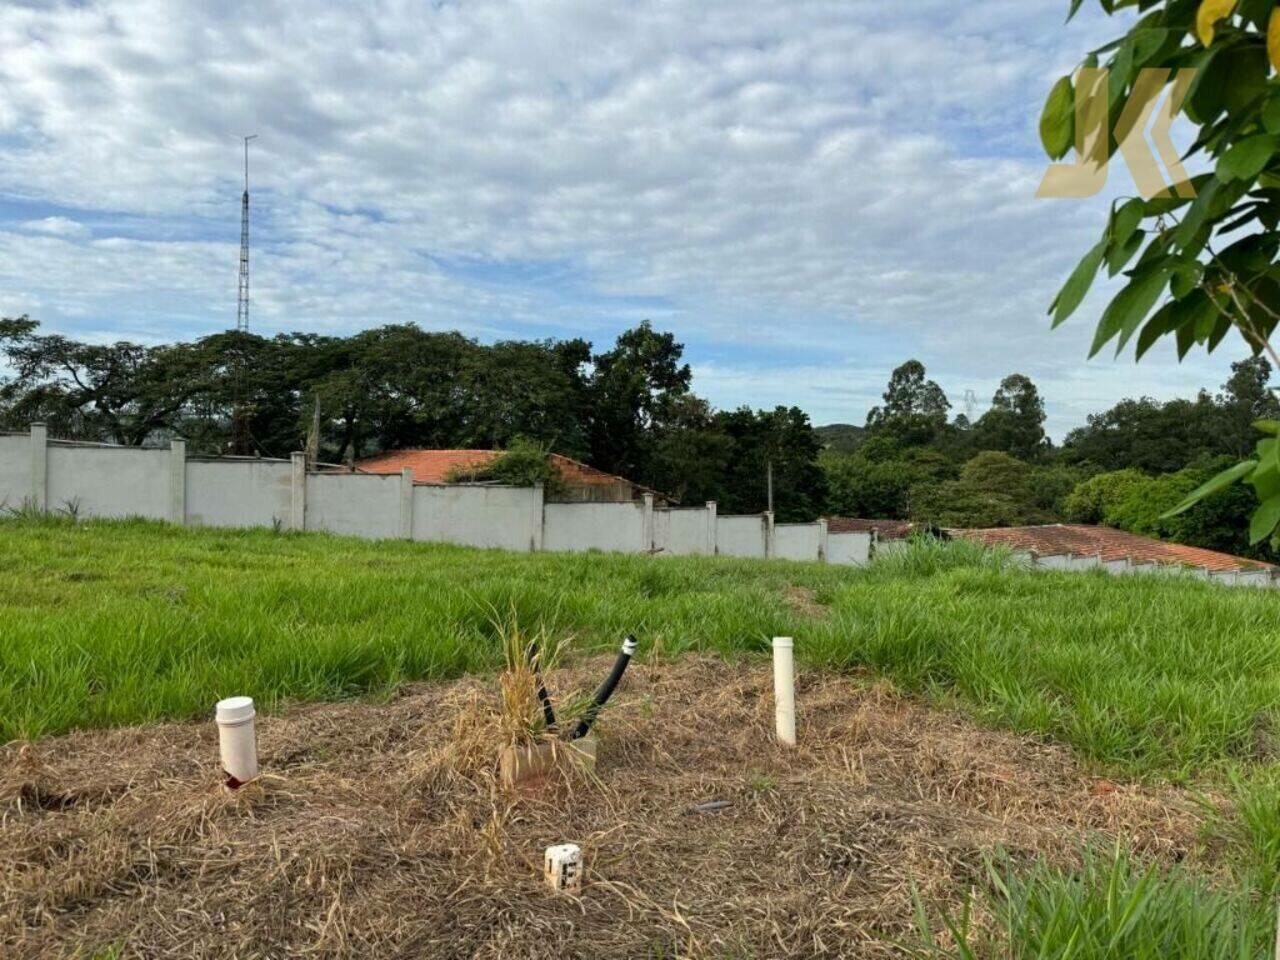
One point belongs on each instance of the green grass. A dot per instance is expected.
(1108, 909)
(122, 622)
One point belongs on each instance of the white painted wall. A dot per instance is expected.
(681, 532)
(740, 536)
(476, 516)
(238, 493)
(15, 471)
(616, 527)
(849, 548)
(109, 481)
(355, 504)
(797, 541)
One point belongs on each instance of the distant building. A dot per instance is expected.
(1108, 544)
(1053, 542)
(582, 483)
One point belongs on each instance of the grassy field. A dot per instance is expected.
(1163, 679)
(118, 623)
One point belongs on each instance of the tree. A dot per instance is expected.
(1197, 275)
(863, 486)
(1014, 423)
(914, 410)
(784, 438)
(1096, 497)
(993, 490)
(633, 388)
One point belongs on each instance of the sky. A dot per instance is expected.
(806, 193)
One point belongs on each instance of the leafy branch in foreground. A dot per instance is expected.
(1203, 252)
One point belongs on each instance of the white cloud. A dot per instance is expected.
(57, 227)
(785, 185)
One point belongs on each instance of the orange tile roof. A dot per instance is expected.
(435, 466)
(884, 529)
(428, 466)
(1082, 540)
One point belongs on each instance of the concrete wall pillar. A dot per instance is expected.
(178, 481)
(539, 519)
(770, 541)
(406, 503)
(39, 466)
(298, 507)
(646, 528)
(823, 533)
(712, 545)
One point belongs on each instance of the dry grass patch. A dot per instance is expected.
(380, 830)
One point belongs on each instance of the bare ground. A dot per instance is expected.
(379, 830)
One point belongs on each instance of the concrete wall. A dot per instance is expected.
(356, 504)
(108, 481)
(238, 493)
(849, 548)
(477, 516)
(684, 532)
(617, 527)
(797, 541)
(740, 536)
(15, 471)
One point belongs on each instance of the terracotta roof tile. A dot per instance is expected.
(1082, 540)
(435, 466)
(884, 529)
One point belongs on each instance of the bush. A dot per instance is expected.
(525, 463)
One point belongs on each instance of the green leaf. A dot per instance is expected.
(1247, 158)
(1264, 520)
(1195, 216)
(1267, 426)
(1058, 120)
(1271, 115)
(1118, 255)
(1129, 307)
(1125, 220)
(1077, 285)
(1212, 486)
(1154, 329)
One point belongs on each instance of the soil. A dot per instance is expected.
(382, 830)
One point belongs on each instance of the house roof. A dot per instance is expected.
(883, 529)
(1083, 540)
(436, 466)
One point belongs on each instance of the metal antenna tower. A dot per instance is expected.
(242, 306)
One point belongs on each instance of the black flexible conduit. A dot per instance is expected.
(606, 689)
(548, 713)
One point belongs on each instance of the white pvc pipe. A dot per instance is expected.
(236, 738)
(784, 689)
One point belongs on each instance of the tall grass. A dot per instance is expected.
(123, 622)
(1106, 910)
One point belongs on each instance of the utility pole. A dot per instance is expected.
(769, 482)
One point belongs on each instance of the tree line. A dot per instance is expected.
(1126, 467)
(630, 409)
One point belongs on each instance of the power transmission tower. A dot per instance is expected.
(241, 436)
(242, 306)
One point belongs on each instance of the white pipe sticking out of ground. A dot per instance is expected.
(237, 738)
(784, 689)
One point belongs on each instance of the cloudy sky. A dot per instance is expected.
(806, 193)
